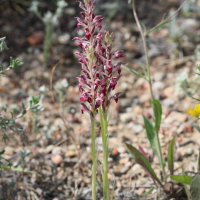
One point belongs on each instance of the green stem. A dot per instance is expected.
(149, 79)
(104, 124)
(93, 159)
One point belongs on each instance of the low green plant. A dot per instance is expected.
(60, 88)
(9, 123)
(51, 21)
(152, 130)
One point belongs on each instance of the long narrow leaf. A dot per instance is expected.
(187, 191)
(19, 169)
(141, 160)
(153, 138)
(197, 127)
(148, 192)
(195, 188)
(199, 161)
(145, 155)
(194, 98)
(133, 71)
(170, 157)
(158, 113)
(157, 27)
(182, 179)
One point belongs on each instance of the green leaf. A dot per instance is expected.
(2, 152)
(139, 158)
(186, 188)
(157, 27)
(145, 29)
(182, 179)
(170, 156)
(199, 161)
(153, 138)
(148, 192)
(195, 188)
(133, 71)
(18, 169)
(197, 127)
(158, 113)
(194, 98)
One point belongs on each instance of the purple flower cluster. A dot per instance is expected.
(97, 79)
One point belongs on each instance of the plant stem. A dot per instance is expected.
(104, 123)
(93, 159)
(149, 79)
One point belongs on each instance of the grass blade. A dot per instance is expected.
(170, 156)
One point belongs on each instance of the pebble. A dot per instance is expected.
(168, 91)
(71, 153)
(168, 102)
(159, 76)
(9, 150)
(124, 103)
(126, 117)
(176, 116)
(36, 38)
(64, 39)
(115, 152)
(57, 150)
(122, 149)
(124, 86)
(140, 191)
(145, 98)
(49, 148)
(123, 161)
(56, 159)
(138, 110)
(137, 128)
(158, 86)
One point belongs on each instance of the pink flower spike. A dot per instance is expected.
(82, 6)
(93, 4)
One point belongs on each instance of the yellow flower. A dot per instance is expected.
(195, 112)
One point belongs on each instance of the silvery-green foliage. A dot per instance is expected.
(181, 81)
(60, 87)
(174, 30)
(50, 20)
(48, 130)
(34, 6)
(39, 108)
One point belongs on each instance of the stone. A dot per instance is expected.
(124, 103)
(71, 153)
(57, 150)
(64, 39)
(123, 161)
(126, 117)
(146, 97)
(158, 76)
(140, 191)
(49, 148)
(115, 152)
(9, 150)
(176, 116)
(56, 159)
(138, 110)
(36, 38)
(168, 102)
(168, 91)
(124, 86)
(158, 86)
(137, 128)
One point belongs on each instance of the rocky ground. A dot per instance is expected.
(63, 162)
